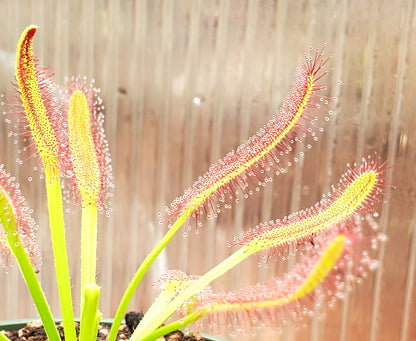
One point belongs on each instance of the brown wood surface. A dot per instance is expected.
(151, 59)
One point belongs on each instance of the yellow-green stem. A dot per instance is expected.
(149, 324)
(3, 337)
(140, 273)
(88, 247)
(89, 321)
(171, 327)
(32, 283)
(56, 219)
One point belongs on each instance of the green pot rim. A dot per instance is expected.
(4, 325)
(17, 324)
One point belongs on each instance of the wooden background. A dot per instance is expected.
(154, 60)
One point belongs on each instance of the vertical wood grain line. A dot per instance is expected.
(61, 60)
(275, 93)
(392, 147)
(295, 195)
(341, 24)
(38, 16)
(137, 67)
(163, 137)
(218, 89)
(340, 46)
(367, 79)
(87, 52)
(191, 70)
(110, 88)
(410, 283)
(245, 99)
(310, 14)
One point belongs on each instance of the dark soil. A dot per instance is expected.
(34, 331)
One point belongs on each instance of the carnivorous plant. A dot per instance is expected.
(64, 129)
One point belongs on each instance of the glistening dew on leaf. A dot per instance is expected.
(66, 131)
(325, 273)
(267, 151)
(17, 225)
(89, 167)
(39, 119)
(43, 120)
(358, 189)
(89, 173)
(364, 184)
(18, 239)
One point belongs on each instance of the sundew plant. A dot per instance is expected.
(64, 130)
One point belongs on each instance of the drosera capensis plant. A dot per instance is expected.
(64, 129)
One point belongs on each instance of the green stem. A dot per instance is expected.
(171, 327)
(88, 248)
(3, 337)
(33, 284)
(89, 321)
(56, 219)
(140, 273)
(149, 324)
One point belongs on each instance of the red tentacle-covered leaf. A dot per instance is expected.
(16, 220)
(35, 112)
(327, 271)
(268, 151)
(89, 169)
(358, 190)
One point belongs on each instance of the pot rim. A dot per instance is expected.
(19, 323)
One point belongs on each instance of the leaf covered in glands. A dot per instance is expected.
(88, 169)
(327, 270)
(16, 221)
(266, 152)
(39, 118)
(357, 191)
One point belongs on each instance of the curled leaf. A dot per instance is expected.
(40, 117)
(265, 152)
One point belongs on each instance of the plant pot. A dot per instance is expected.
(18, 324)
